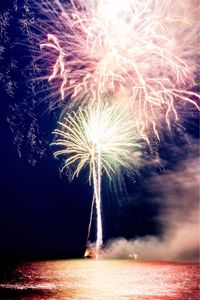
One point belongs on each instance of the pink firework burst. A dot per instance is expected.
(140, 52)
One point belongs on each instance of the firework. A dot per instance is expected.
(140, 52)
(101, 138)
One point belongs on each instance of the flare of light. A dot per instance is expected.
(102, 138)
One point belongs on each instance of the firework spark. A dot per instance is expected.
(102, 138)
(141, 52)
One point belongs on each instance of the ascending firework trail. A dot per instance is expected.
(101, 137)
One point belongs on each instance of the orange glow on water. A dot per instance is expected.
(91, 252)
(102, 279)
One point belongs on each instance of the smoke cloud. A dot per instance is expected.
(179, 196)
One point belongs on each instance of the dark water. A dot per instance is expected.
(99, 280)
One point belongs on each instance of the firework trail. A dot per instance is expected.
(139, 52)
(101, 137)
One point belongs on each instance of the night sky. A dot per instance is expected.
(42, 214)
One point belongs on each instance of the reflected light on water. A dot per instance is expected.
(101, 279)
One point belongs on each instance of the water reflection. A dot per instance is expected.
(100, 279)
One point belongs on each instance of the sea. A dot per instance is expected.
(101, 279)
